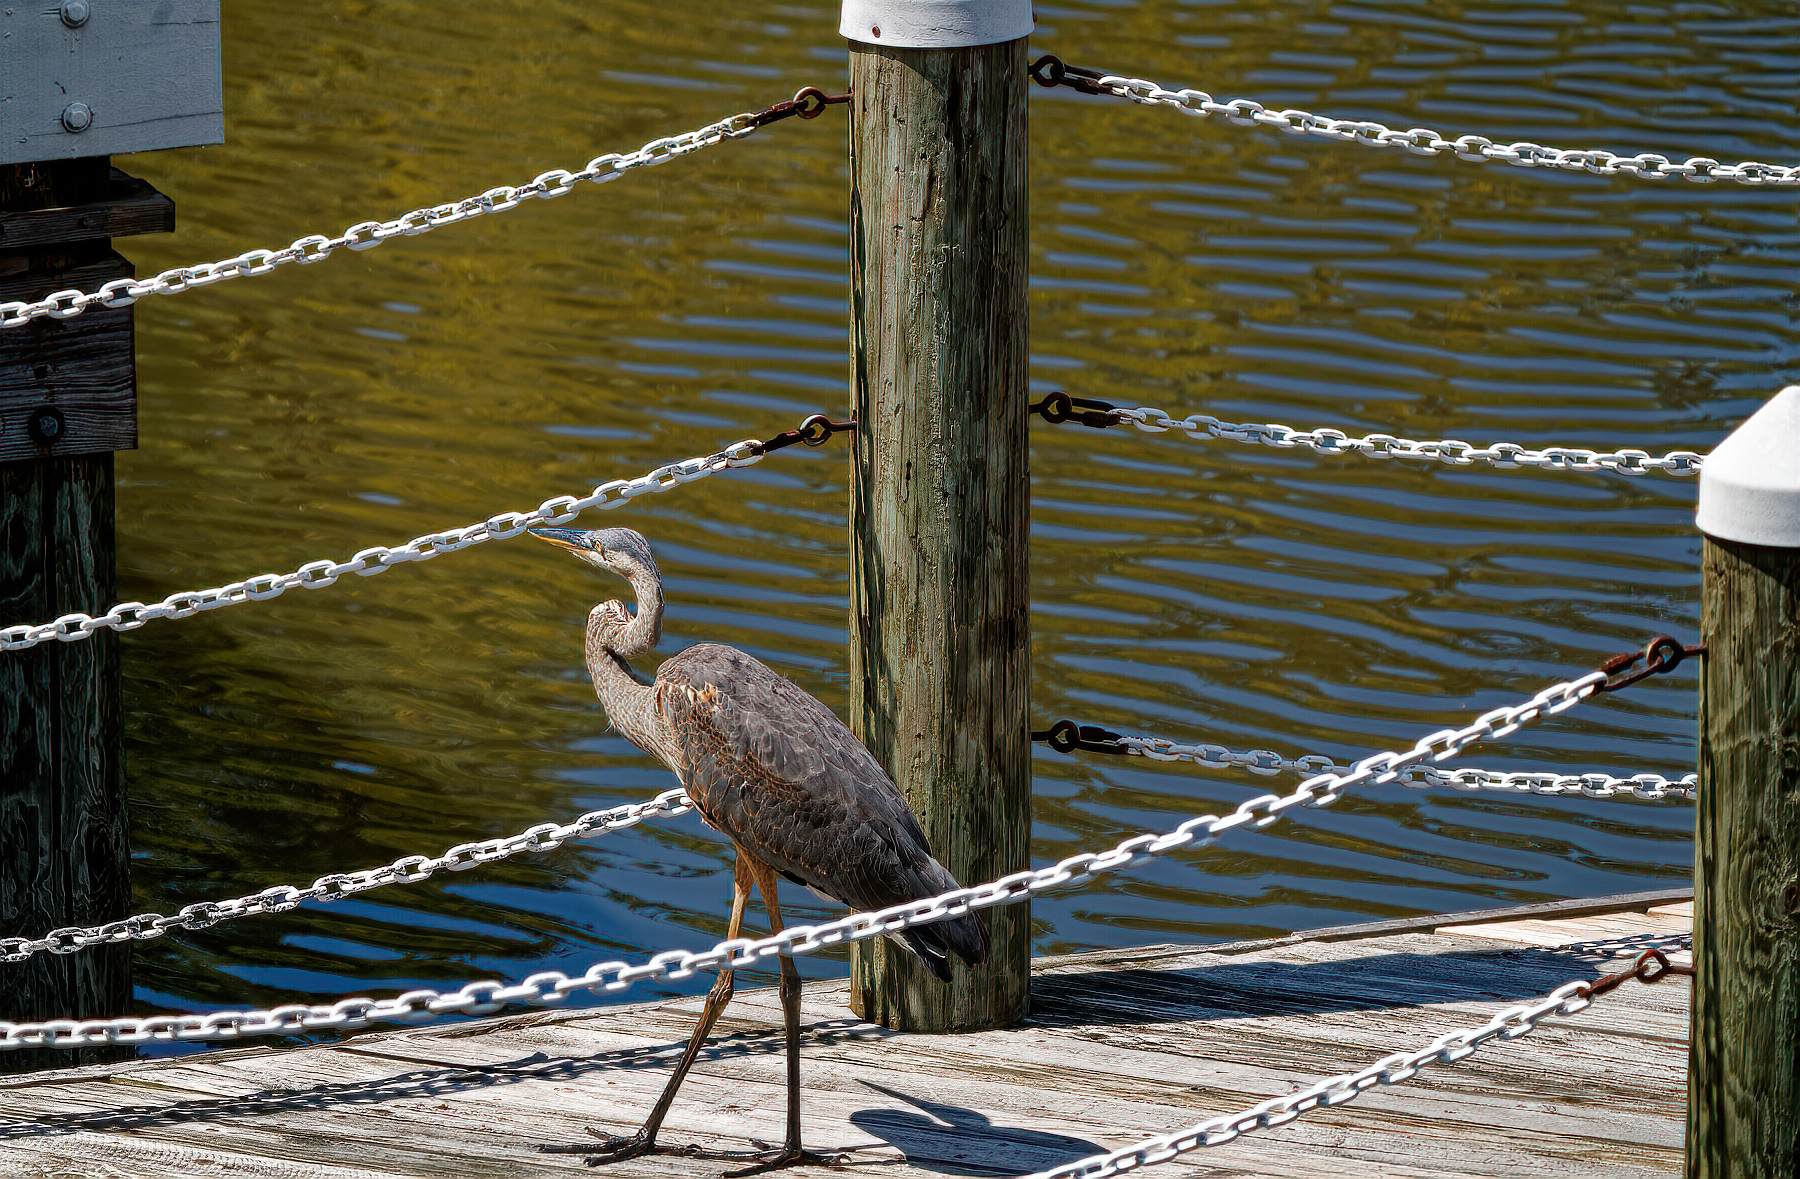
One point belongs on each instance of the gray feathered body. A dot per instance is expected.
(764, 762)
(774, 770)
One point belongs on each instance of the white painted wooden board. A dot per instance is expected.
(144, 75)
(1120, 1046)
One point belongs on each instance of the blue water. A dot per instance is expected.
(1201, 591)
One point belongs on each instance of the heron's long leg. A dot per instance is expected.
(791, 1151)
(614, 1149)
(709, 1014)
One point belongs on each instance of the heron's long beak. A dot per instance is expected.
(567, 538)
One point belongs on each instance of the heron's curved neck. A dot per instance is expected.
(613, 636)
(630, 703)
(644, 630)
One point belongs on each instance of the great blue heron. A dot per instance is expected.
(777, 773)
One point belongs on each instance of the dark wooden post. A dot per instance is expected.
(83, 81)
(940, 497)
(68, 399)
(1744, 1064)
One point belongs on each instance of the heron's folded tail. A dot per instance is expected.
(964, 936)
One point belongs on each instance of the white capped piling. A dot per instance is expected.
(940, 636)
(1744, 1059)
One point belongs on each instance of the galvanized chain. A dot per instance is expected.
(490, 995)
(317, 574)
(549, 836)
(1066, 736)
(1060, 407)
(366, 235)
(1245, 112)
(406, 870)
(1510, 1024)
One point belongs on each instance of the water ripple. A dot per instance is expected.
(1205, 591)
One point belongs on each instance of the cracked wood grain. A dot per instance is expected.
(1744, 1075)
(940, 498)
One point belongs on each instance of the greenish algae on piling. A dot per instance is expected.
(940, 632)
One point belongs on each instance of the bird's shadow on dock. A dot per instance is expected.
(948, 1138)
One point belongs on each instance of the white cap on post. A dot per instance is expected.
(1750, 485)
(935, 24)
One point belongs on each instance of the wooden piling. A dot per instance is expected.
(1744, 1064)
(940, 498)
(67, 401)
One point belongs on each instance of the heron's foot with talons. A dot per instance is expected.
(616, 1149)
(772, 1158)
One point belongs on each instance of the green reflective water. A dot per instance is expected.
(1207, 592)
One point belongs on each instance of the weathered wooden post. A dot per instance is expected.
(82, 83)
(1744, 1063)
(940, 498)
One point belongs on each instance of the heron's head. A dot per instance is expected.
(620, 550)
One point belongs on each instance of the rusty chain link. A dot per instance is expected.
(814, 431)
(1650, 966)
(1663, 654)
(809, 103)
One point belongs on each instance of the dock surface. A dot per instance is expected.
(1120, 1045)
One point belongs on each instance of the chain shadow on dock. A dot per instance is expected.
(424, 1082)
(1229, 989)
(1261, 988)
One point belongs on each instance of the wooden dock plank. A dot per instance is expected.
(1120, 1046)
(1145, 1069)
(1563, 933)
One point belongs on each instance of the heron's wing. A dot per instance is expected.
(773, 768)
